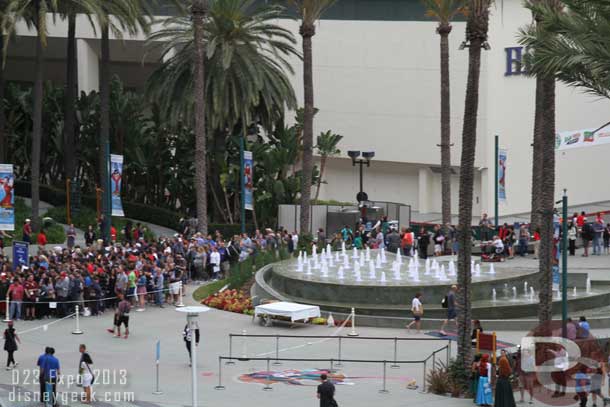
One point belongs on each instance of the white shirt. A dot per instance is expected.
(416, 305)
(498, 244)
(215, 260)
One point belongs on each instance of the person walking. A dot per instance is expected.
(41, 379)
(121, 317)
(504, 392)
(10, 345)
(598, 236)
(524, 237)
(418, 311)
(423, 240)
(187, 335)
(51, 374)
(484, 397)
(449, 303)
(326, 392)
(84, 369)
(572, 233)
(587, 236)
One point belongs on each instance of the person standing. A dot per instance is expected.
(16, 292)
(41, 239)
(121, 317)
(572, 233)
(524, 237)
(215, 263)
(417, 309)
(84, 369)
(485, 228)
(89, 236)
(484, 397)
(449, 303)
(439, 240)
(41, 379)
(159, 284)
(27, 231)
(504, 392)
(71, 236)
(187, 335)
(423, 240)
(51, 375)
(10, 345)
(598, 236)
(607, 239)
(587, 236)
(326, 392)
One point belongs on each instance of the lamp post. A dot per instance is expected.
(564, 263)
(367, 156)
(192, 313)
(497, 180)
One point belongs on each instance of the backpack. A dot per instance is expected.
(445, 302)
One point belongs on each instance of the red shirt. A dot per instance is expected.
(17, 292)
(27, 229)
(30, 288)
(580, 220)
(112, 233)
(536, 236)
(41, 239)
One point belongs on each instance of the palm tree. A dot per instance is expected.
(309, 11)
(34, 13)
(245, 77)
(69, 9)
(543, 167)
(477, 27)
(444, 11)
(6, 29)
(327, 147)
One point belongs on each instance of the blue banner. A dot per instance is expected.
(502, 156)
(116, 181)
(248, 182)
(556, 277)
(21, 254)
(7, 197)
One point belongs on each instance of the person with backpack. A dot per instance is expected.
(84, 369)
(587, 237)
(121, 317)
(326, 392)
(449, 304)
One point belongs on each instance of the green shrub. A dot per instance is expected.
(460, 376)
(438, 379)
(55, 233)
(305, 242)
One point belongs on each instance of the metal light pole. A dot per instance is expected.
(242, 215)
(564, 264)
(497, 171)
(192, 313)
(107, 195)
(367, 157)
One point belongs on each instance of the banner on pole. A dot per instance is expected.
(116, 180)
(158, 351)
(567, 140)
(248, 181)
(502, 156)
(7, 197)
(21, 254)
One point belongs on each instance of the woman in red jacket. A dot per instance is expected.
(41, 240)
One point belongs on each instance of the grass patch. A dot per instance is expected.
(55, 233)
(204, 291)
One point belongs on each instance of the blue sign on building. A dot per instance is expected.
(21, 254)
(514, 61)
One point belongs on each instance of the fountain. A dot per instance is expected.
(345, 262)
(382, 280)
(477, 270)
(492, 270)
(300, 266)
(337, 257)
(505, 291)
(452, 269)
(442, 275)
(378, 261)
(588, 285)
(340, 274)
(308, 268)
(398, 256)
(532, 294)
(358, 276)
(328, 250)
(324, 271)
(493, 295)
(368, 254)
(525, 292)
(574, 294)
(314, 251)
(356, 267)
(372, 275)
(558, 296)
(343, 247)
(427, 266)
(514, 293)
(355, 253)
(331, 262)
(383, 258)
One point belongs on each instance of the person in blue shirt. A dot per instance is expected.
(583, 328)
(582, 385)
(51, 375)
(41, 360)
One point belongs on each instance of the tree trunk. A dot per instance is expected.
(105, 127)
(70, 101)
(38, 95)
(3, 143)
(307, 32)
(537, 155)
(445, 127)
(323, 159)
(476, 30)
(547, 199)
(198, 11)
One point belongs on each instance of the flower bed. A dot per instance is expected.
(230, 300)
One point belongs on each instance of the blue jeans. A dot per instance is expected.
(159, 297)
(15, 310)
(522, 247)
(597, 243)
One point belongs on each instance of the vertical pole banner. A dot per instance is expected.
(116, 180)
(21, 254)
(248, 180)
(502, 156)
(7, 197)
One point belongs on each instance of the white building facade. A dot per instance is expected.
(377, 83)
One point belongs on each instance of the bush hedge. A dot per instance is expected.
(55, 233)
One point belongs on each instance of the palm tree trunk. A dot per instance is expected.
(198, 11)
(307, 32)
(547, 199)
(445, 128)
(323, 159)
(537, 155)
(2, 115)
(37, 129)
(70, 101)
(476, 32)
(105, 123)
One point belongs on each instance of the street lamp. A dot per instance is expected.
(192, 313)
(367, 156)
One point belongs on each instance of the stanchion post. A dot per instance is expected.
(181, 303)
(268, 383)
(384, 390)
(395, 365)
(424, 378)
(433, 361)
(244, 344)
(220, 386)
(7, 317)
(448, 352)
(353, 332)
(230, 361)
(277, 351)
(157, 391)
(339, 364)
(77, 330)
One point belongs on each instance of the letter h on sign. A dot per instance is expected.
(514, 61)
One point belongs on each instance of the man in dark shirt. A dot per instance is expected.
(326, 392)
